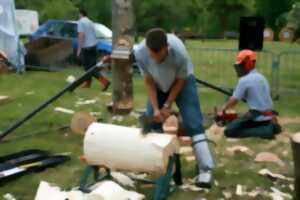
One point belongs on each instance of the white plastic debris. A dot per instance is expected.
(71, 79)
(137, 176)
(123, 179)
(185, 150)
(64, 110)
(282, 194)
(95, 114)
(190, 158)
(85, 102)
(276, 196)
(134, 114)
(48, 192)
(9, 196)
(109, 190)
(190, 187)
(29, 93)
(106, 190)
(107, 94)
(266, 172)
(118, 118)
(239, 190)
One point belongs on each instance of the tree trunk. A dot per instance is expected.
(122, 25)
(296, 152)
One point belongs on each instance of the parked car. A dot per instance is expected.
(62, 29)
(67, 30)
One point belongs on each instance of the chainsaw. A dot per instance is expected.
(224, 118)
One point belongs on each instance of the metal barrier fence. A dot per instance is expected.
(216, 66)
(288, 77)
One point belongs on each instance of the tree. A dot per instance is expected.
(50, 9)
(223, 9)
(272, 9)
(99, 11)
(170, 15)
(293, 17)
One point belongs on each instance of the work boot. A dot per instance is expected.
(204, 160)
(87, 84)
(105, 82)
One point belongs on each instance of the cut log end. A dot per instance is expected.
(296, 138)
(81, 121)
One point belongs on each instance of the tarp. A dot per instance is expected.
(27, 21)
(9, 39)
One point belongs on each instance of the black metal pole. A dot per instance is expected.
(69, 87)
(226, 92)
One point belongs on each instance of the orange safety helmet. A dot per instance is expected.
(247, 59)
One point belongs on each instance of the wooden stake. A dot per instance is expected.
(296, 154)
(122, 25)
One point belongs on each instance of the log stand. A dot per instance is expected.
(163, 186)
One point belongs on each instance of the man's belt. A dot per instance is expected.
(268, 113)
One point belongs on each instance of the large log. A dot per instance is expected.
(296, 152)
(125, 148)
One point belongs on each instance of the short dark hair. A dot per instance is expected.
(156, 39)
(83, 12)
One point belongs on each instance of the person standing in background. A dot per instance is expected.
(86, 50)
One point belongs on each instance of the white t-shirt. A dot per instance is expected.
(177, 64)
(86, 26)
(254, 88)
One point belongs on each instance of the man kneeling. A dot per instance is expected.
(253, 88)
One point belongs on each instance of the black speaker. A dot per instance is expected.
(251, 33)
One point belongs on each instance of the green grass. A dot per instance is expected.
(43, 130)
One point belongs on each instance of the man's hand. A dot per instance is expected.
(166, 112)
(229, 104)
(106, 59)
(158, 117)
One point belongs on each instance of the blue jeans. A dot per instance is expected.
(189, 107)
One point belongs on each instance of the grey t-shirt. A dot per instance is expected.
(177, 64)
(86, 26)
(254, 88)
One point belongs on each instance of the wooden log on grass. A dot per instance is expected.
(4, 99)
(81, 121)
(127, 149)
(295, 140)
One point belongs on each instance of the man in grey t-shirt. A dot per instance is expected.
(168, 78)
(86, 49)
(253, 88)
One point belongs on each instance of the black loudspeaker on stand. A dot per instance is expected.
(251, 33)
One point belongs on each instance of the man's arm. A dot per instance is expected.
(229, 104)
(151, 90)
(80, 42)
(176, 88)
